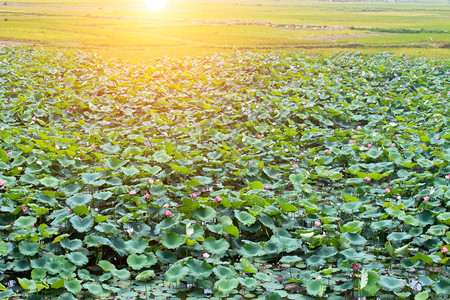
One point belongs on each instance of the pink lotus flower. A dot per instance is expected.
(355, 267)
(19, 168)
(444, 249)
(388, 190)
(129, 231)
(168, 213)
(166, 205)
(369, 146)
(426, 198)
(39, 162)
(286, 150)
(194, 195)
(318, 223)
(326, 150)
(266, 187)
(367, 178)
(318, 277)
(2, 183)
(151, 181)
(250, 163)
(9, 154)
(206, 255)
(302, 154)
(352, 142)
(147, 195)
(218, 198)
(132, 192)
(447, 176)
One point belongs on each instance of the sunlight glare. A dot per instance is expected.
(155, 5)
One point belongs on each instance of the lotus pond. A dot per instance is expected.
(254, 175)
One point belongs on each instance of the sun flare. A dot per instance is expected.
(155, 5)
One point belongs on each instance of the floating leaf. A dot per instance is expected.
(176, 273)
(225, 285)
(390, 283)
(215, 246)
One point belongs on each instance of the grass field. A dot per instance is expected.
(128, 30)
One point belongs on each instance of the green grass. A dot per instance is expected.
(128, 30)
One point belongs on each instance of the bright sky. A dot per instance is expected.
(155, 5)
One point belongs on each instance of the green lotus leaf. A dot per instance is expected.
(368, 283)
(203, 180)
(351, 254)
(145, 275)
(421, 296)
(354, 238)
(82, 224)
(315, 287)
(244, 217)
(166, 256)
(327, 251)
(214, 246)
(131, 151)
(262, 277)
(66, 296)
(137, 262)
(38, 274)
(442, 286)
(94, 288)
(176, 273)
(29, 248)
(73, 286)
(71, 188)
(153, 170)
(77, 258)
(25, 222)
(3, 248)
(373, 153)
(161, 156)
(53, 266)
(173, 240)
(222, 271)
(199, 269)
(78, 200)
(29, 179)
(111, 149)
(122, 274)
(158, 189)
(27, 284)
(204, 213)
(225, 285)
(398, 236)
(353, 226)
(247, 266)
(297, 180)
(136, 246)
(425, 218)
(315, 261)
(90, 178)
(129, 171)
(94, 240)
(106, 228)
(438, 230)
(21, 265)
(273, 296)
(290, 259)
(381, 225)
(390, 283)
(444, 218)
(106, 265)
(251, 249)
(228, 227)
(248, 282)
